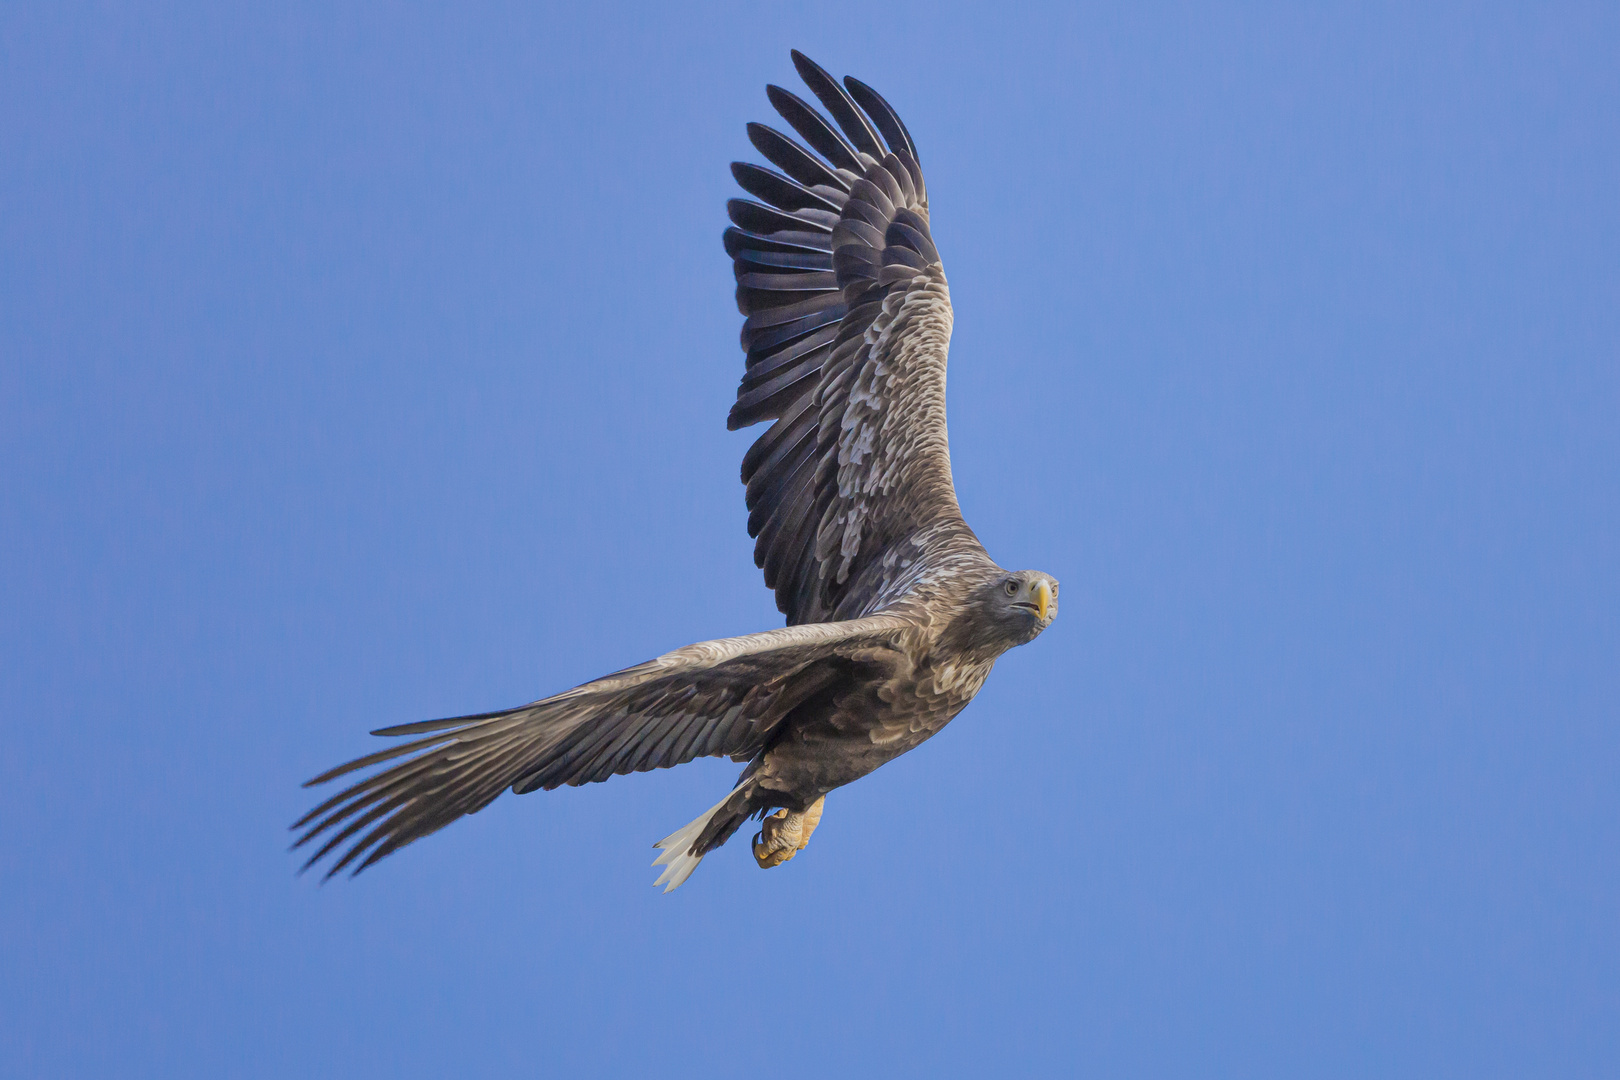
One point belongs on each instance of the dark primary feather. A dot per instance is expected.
(855, 125)
(813, 129)
(749, 259)
(779, 190)
(762, 220)
(794, 159)
(883, 115)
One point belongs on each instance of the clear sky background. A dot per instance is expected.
(361, 365)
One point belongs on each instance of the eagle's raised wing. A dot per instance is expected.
(849, 320)
(713, 699)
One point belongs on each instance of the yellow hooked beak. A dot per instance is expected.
(1043, 601)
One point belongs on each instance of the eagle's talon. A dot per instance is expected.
(783, 835)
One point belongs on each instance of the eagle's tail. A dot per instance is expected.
(685, 847)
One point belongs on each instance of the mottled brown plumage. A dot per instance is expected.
(896, 613)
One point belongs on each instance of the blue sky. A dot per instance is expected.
(361, 365)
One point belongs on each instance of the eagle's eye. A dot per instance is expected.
(1012, 588)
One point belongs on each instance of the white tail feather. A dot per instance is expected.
(677, 859)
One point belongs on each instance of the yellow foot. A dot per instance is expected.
(783, 835)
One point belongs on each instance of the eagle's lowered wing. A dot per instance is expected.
(714, 699)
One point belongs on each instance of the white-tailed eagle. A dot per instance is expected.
(895, 612)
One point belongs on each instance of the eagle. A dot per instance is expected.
(895, 611)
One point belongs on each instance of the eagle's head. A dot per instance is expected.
(1016, 606)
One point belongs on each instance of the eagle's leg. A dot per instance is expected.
(783, 835)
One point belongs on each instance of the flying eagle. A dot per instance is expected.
(895, 612)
